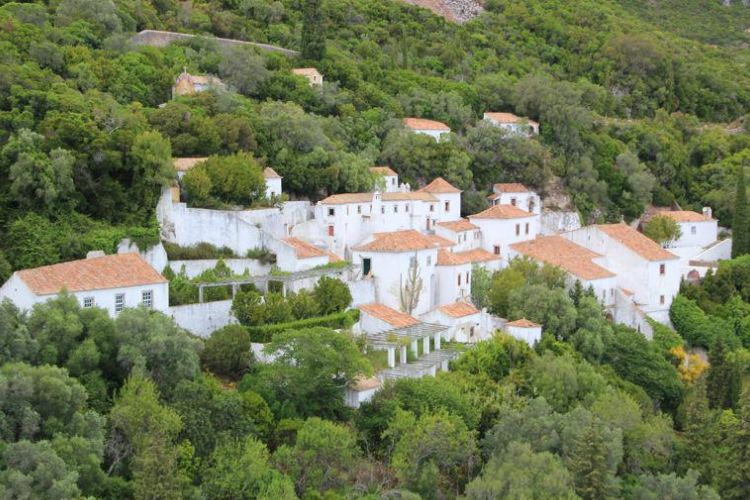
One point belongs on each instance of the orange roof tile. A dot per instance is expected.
(510, 187)
(439, 185)
(637, 242)
(399, 241)
(502, 212)
(459, 309)
(684, 216)
(270, 173)
(563, 253)
(362, 383)
(97, 273)
(386, 171)
(396, 319)
(306, 71)
(303, 249)
(423, 124)
(345, 198)
(447, 258)
(185, 164)
(439, 241)
(507, 118)
(458, 226)
(523, 323)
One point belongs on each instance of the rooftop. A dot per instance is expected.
(270, 173)
(439, 185)
(459, 309)
(506, 118)
(523, 323)
(510, 187)
(637, 242)
(563, 253)
(423, 124)
(185, 164)
(396, 319)
(684, 216)
(362, 383)
(447, 258)
(345, 198)
(458, 226)
(306, 71)
(97, 273)
(400, 241)
(303, 249)
(386, 171)
(502, 212)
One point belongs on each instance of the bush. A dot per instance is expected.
(197, 252)
(236, 179)
(265, 333)
(332, 295)
(227, 352)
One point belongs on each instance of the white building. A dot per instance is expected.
(433, 128)
(449, 198)
(525, 330)
(466, 323)
(312, 75)
(454, 270)
(503, 225)
(697, 230)
(515, 125)
(273, 183)
(378, 318)
(390, 179)
(649, 274)
(112, 282)
(516, 194)
(295, 254)
(464, 234)
(361, 391)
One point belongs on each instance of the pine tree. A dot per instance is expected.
(736, 477)
(723, 377)
(588, 463)
(740, 223)
(313, 31)
(701, 438)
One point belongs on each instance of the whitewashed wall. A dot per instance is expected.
(363, 291)
(156, 255)
(203, 319)
(238, 266)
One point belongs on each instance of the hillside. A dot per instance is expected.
(453, 10)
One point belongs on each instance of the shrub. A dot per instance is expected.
(236, 179)
(332, 295)
(197, 252)
(227, 352)
(265, 333)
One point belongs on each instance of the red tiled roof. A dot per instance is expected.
(423, 124)
(565, 254)
(303, 249)
(97, 273)
(459, 309)
(523, 323)
(637, 242)
(502, 212)
(396, 319)
(439, 185)
(362, 383)
(270, 173)
(510, 187)
(684, 216)
(306, 71)
(458, 226)
(386, 171)
(447, 258)
(439, 241)
(507, 118)
(345, 198)
(400, 241)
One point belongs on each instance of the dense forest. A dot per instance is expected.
(639, 102)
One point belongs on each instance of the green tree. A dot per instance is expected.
(663, 230)
(655, 487)
(16, 343)
(588, 464)
(736, 482)
(313, 31)
(723, 379)
(481, 284)
(332, 295)
(34, 470)
(227, 352)
(701, 438)
(248, 308)
(244, 69)
(237, 179)
(741, 219)
(151, 163)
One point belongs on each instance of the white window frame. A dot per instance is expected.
(88, 302)
(147, 298)
(119, 302)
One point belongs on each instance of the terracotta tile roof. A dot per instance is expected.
(507, 118)
(185, 164)
(459, 309)
(458, 226)
(386, 171)
(303, 249)
(637, 242)
(502, 212)
(510, 187)
(97, 273)
(448, 258)
(399, 241)
(362, 383)
(270, 173)
(396, 319)
(306, 71)
(332, 257)
(345, 198)
(563, 253)
(423, 124)
(439, 241)
(684, 216)
(523, 323)
(439, 185)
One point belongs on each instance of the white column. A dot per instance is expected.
(403, 355)
(415, 348)
(391, 357)
(426, 344)
(437, 341)
(444, 366)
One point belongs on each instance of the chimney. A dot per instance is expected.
(708, 213)
(95, 253)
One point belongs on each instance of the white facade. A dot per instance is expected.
(469, 328)
(498, 234)
(431, 128)
(516, 195)
(463, 239)
(527, 331)
(273, 187)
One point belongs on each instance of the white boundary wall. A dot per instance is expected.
(203, 319)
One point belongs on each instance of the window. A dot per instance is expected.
(693, 229)
(513, 201)
(331, 212)
(476, 235)
(459, 279)
(366, 266)
(467, 277)
(527, 228)
(393, 181)
(497, 249)
(429, 260)
(359, 209)
(119, 302)
(662, 269)
(88, 302)
(413, 262)
(661, 299)
(518, 229)
(432, 208)
(382, 209)
(331, 231)
(147, 298)
(447, 206)
(395, 209)
(406, 208)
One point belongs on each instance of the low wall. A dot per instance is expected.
(238, 266)
(156, 38)
(363, 292)
(203, 319)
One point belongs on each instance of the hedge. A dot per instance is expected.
(265, 333)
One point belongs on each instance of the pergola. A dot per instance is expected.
(399, 338)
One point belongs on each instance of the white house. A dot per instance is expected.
(402, 265)
(273, 183)
(449, 199)
(579, 263)
(389, 177)
(433, 128)
(295, 254)
(187, 84)
(647, 271)
(112, 282)
(525, 330)
(312, 75)
(454, 271)
(464, 234)
(515, 125)
(361, 391)
(465, 322)
(697, 230)
(516, 194)
(503, 225)
(379, 318)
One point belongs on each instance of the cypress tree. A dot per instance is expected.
(313, 31)
(723, 378)
(588, 464)
(701, 438)
(735, 480)
(740, 223)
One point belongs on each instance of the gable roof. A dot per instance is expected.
(424, 124)
(345, 198)
(459, 309)
(396, 319)
(502, 212)
(270, 173)
(439, 185)
(684, 216)
(458, 226)
(563, 253)
(384, 170)
(185, 164)
(96, 273)
(400, 241)
(448, 258)
(523, 323)
(510, 187)
(637, 242)
(303, 249)
(306, 72)
(507, 118)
